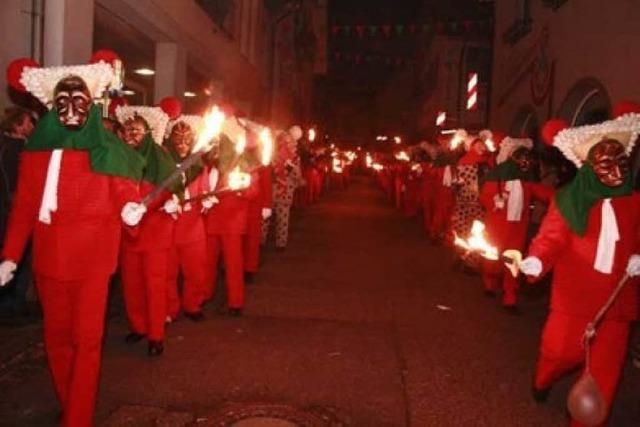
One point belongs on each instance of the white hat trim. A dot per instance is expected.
(41, 82)
(568, 139)
(193, 121)
(154, 116)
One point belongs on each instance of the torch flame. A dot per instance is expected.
(239, 180)
(267, 146)
(377, 167)
(211, 128)
(241, 144)
(369, 160)
(312, 135)
(337, 165)
(478, 243)
(491, 146)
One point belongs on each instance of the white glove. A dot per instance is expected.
(633, 266)
(209, 202)
(172, 206)
(498, 202)
(266, 213)
(213, 178)
(132, 213)
(531, 266)
(7, 268)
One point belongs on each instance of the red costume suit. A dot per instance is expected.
(73, 259)
(144, 265)
(411, 197)
(506, 234)
(444, 199)
(226, 224)
(262, 200)
(189, 254)
(578, 292)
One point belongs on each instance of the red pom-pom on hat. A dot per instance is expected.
(171, 106)
(115, 103)
(625, 107)
(14, 72)
(551, 128)
(104, 55)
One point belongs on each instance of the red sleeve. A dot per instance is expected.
(553, 237)
(266, 187)
(487, 193)
(24, 210)
(542, 192)
(124, 190)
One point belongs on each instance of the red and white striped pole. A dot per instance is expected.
(472, 91)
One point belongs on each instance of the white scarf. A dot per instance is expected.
(515, 203)
(609, 236)
(447, 177)
(50, 195)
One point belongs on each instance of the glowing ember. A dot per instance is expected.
(267, 146)
(397, 139)
(403, 156)
(239, 180)
(211, 128)
(416, 167)
(478, 243)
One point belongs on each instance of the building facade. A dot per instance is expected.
(203, 51)
(562, 58)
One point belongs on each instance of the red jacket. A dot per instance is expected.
(189, 227)
(230, 216)
(84, 235)
(155, 230)
(577, 288)
(510, 234)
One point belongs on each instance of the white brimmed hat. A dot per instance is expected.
(154, 116)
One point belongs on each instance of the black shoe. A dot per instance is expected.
(156, 348)
(513, 310)
(489, 294)
(133, 338)
(235, 312)
(249, 278)
(196, 316)
(540, 395)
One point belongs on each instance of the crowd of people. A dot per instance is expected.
(95, 187)
(490, 198)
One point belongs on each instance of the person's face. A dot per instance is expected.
(182, 139)
(25, 129)
(72, 101)
(610, 162)
(479, 148)
(134, 132)
(524, 160)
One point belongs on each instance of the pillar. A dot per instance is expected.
(68, 31)
(171, 71)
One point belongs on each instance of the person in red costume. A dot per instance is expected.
(506, 195)
(438, 195)
(260, 209)
(189, 249)
(145, 254)
(226, 223)
(589, 238)
(75, 182)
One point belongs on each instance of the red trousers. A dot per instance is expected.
(73, 326)
(144, 282)
(230, 246)
(441, 214)
(251, 245)
(561, 351)
(496, 275)
(191, 259)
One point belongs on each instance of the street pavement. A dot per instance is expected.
(361, 320)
